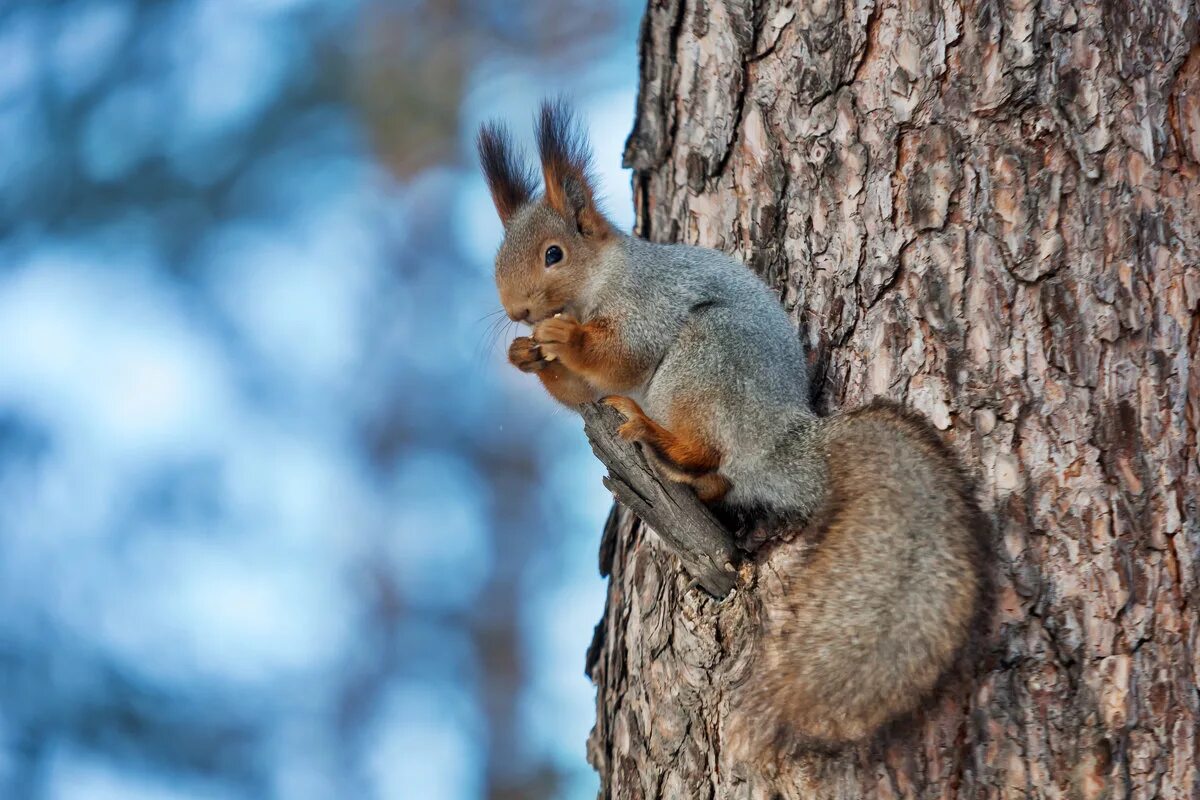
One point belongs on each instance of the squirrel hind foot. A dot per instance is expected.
(711, 487)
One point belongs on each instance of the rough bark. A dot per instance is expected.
(990, 211)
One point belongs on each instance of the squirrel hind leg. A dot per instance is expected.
(680, 456)
(711, 487)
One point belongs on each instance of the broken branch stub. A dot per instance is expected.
(671, 509)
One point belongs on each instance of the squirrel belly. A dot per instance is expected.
(858, 628)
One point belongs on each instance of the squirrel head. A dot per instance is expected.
(553, 242)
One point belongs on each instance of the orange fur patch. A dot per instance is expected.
(680, 451)
(565, 386)
(605, 360)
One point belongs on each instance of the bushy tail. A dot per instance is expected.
(857, 626)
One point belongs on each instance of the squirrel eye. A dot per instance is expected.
(554, 254)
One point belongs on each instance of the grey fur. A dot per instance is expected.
(697, 312)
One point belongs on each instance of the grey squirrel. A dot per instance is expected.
(698, 356)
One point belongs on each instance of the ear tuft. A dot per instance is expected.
(566, 167)
(509, 179)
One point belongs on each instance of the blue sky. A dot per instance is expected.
(269, 488)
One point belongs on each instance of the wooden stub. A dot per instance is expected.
(671, 509)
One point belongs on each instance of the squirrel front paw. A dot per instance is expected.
(526, 355)
(559, 336)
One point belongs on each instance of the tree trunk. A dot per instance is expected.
(989, 211)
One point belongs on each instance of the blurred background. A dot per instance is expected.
(276, 518)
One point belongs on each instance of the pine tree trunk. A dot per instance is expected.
(989, 211)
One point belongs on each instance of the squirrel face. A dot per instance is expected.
(552, 242)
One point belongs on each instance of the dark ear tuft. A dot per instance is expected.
(566, 168)
(509, 179)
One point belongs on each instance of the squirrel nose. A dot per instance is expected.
(520, 315)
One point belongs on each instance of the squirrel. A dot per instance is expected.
(699, 357)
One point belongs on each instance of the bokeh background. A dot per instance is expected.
(276, 519)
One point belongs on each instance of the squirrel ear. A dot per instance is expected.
(566, 167)
(509, 180)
